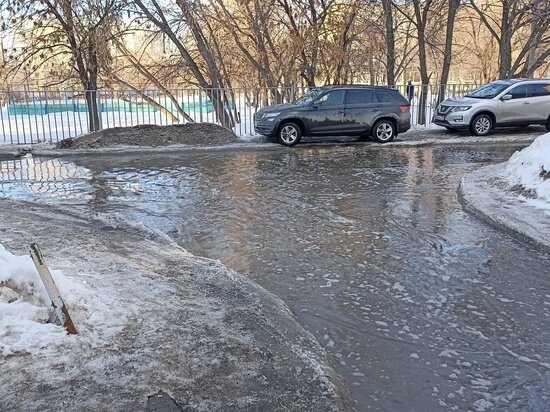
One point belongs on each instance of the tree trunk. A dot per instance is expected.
(150, 100)
(371, 71)
(505, 60)
(447, 58)
(94, 123)
(93, 110)
(421, 16)
(530, 65)
(220, 104)
(390, 42)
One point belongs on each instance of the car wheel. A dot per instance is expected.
(548, 124)
(289, 134)
(384, 131)
(481, 125)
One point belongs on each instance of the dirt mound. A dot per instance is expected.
(197, 134)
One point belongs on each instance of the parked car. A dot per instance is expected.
(504, 103)
(361, 111)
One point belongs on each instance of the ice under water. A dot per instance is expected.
(420, 305)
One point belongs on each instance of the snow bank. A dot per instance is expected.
(515, 195)
(530, 168)
(25, 308)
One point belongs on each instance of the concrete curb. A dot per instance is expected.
(484, 194)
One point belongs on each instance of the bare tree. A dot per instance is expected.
(304, 20)
(78, 31)
(419, 18)
(146, 72)
(521, 28)
(218, 44)
(250, 25)
(205, 71)
(346, 36)
(481, 48)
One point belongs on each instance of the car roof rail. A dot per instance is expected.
(357, 86)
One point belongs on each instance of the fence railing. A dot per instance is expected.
(29, 117)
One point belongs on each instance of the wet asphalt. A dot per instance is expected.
(421, 306)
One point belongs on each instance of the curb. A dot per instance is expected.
(484, 204)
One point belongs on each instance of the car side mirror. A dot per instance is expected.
(507, 97)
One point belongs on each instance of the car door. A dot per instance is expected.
(540, 101)
(361, 111)
(517, 110)
(326, 114)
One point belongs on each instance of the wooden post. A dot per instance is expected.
(58, 304)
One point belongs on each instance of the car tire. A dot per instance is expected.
(289, 134)
(481, 125)
(548, 124)
(384, 131)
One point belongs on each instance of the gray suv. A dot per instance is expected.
(361, 111)
(504, 103)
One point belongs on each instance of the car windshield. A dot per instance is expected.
(308, 97)
(489, 91)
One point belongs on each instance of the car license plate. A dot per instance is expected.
(441, 118)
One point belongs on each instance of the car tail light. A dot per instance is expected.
(404, 108)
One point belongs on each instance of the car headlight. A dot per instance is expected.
(461, 108)
(271, 115)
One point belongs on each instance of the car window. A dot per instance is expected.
(385, 96)
(520, 92)
(489, 91)
(308, 97)
(541, 89)
(360, 97)
(332, 98)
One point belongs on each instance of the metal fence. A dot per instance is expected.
(29, 117)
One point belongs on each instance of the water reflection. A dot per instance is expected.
(50, 180)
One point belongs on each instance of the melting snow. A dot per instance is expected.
(530, 168)
(24, 305)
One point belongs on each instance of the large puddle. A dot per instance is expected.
(421, 306)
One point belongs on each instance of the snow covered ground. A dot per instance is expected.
(530, 169)
(24, 306)
(150, 317)
(514, 195)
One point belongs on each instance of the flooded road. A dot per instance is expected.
(420, 305)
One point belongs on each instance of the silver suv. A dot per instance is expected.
(504, 103)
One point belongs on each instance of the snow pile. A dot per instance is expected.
(530, 169)
(25, 307)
